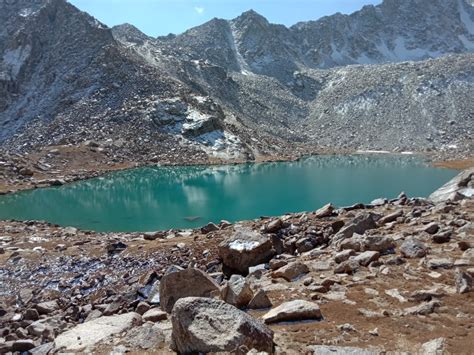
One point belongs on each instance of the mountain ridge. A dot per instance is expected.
(235, 88)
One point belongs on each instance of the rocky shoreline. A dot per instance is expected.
(392, 276)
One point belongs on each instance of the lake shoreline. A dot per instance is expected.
(34, 175)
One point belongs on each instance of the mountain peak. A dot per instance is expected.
(252, 15)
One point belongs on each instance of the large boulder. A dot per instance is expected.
(88, 334)
(293, 311)
(203, 325)
(459, 187)
(185, 283)
(245, 248)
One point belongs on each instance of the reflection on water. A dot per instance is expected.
(155, 198)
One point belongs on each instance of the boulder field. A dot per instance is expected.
(386, 277)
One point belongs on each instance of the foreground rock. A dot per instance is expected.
(86, 335)
(202, 325)
(244, 249)
(293, 311)
(185, 283)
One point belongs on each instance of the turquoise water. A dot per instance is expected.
(155, 198)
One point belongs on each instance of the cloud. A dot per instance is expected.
(199, 10)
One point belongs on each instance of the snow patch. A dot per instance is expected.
(466, 18)
(241, 245)
(15, 58)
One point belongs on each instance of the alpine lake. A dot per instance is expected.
(160, 198)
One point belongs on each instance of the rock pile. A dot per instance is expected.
(366, 272)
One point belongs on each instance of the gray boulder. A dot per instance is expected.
(203, 325)
(359, 225)
(291, 271)
(237, 292)
(413, 248)
(185, 283)
(244, 249)
(293, 311)
(88, 334)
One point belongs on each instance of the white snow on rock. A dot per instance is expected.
(15, 58)
(242, 245)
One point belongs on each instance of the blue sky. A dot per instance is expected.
(160, 17)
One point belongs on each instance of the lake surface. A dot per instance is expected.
(155, 198)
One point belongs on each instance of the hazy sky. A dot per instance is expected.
(160, 17)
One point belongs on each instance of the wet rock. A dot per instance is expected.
(88, 334)
(202, 325)
(324, 211)
(367, 257)
(185, 283)
(413, 248)
(237, 292)
(463, 282)
(154, 315)
(291, 271)
(244, 249)
(293, 311)
(260, 300)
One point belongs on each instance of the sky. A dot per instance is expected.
(161, 17)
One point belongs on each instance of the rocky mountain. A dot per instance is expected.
(242, 88)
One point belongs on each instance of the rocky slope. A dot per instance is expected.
(344, 280)
(239, 89)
